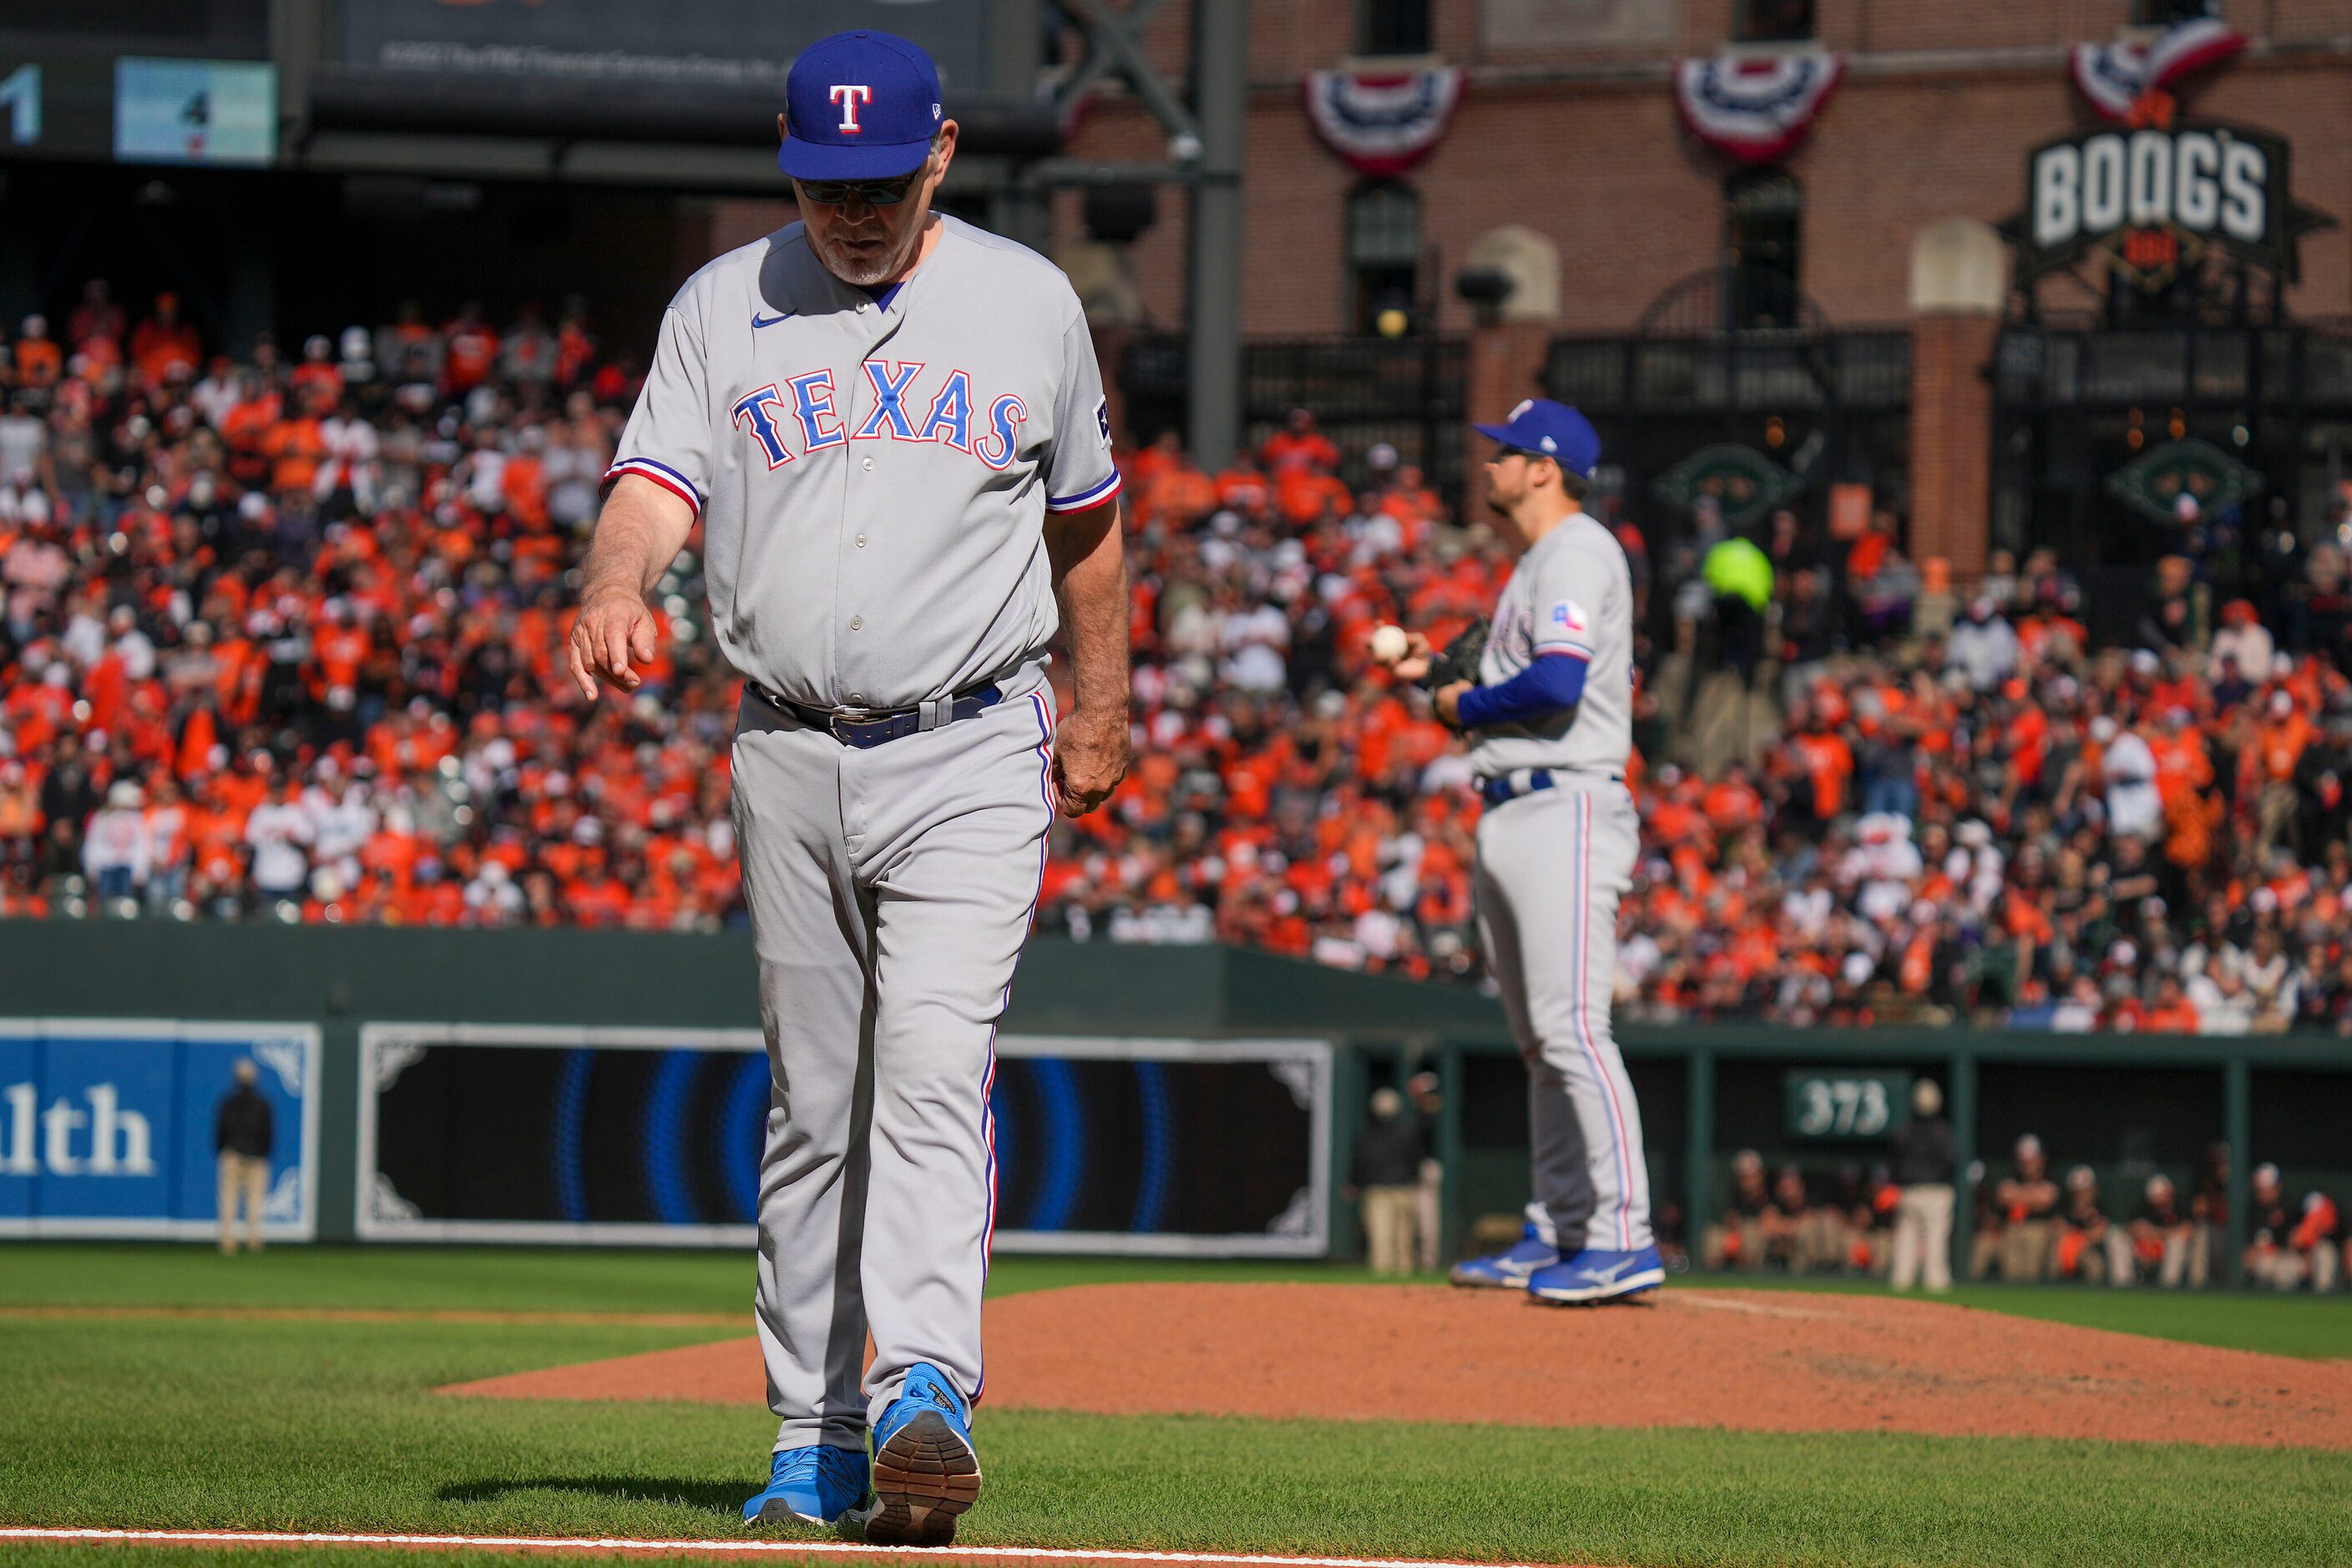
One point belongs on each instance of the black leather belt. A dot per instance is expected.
(1528, 781)
(865, 729)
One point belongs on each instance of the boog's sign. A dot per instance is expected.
(2156, 198)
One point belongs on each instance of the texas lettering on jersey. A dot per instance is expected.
(792, 418)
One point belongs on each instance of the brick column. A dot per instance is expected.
(1958, 282)
(1951, 438)
(1506, 365)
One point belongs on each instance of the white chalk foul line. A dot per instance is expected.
(721, 1548)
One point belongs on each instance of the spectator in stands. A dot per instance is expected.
(2128, 770)
(40, 363)
(97, 318)
(1384, 1177)
(1983, 646)
(1301, 446)
(280, 832)
(2160, 1235)
(165, 348)
(2027, 1204)
(115, 850)
(2241, 650)
(1926, 1159)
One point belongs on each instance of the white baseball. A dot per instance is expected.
(1390, 643)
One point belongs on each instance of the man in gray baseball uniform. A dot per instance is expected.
(1550, 722)
(892, 428)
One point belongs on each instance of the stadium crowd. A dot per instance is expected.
(281, 640)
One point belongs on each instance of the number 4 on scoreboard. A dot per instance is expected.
(20, 91)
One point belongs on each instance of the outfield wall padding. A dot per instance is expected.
(2125, 1104)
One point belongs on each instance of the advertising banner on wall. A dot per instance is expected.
(638, 1137)
(106, 1125)
(711, 44)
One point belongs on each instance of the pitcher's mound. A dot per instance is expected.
(1774, 1361)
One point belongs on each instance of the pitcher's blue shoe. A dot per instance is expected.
(926, 1471)
(1596, 1274)
(1508, 1270)
(814, 1485)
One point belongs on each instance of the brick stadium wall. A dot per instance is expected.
(1603, 168)
(1951, 429)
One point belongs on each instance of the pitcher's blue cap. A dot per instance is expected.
(1553, 429)
(859, 105)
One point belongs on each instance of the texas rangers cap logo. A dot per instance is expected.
(860, 105)
(849, 96)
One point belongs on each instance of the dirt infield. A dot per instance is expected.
(1782, 1362)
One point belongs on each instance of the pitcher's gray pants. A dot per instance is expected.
(1551, 866)
(890, 891)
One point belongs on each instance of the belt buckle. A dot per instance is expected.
(834, 720)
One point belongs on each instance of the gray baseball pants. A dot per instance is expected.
(1551, 866)
(890, 891)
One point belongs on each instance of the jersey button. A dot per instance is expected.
(861, 307)
(858, 623)
(861, 542)
(868, 463)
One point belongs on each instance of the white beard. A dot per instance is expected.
(861, 274)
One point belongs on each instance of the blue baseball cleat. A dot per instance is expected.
(1508, 1270)
(1595, 1275)
(815, 1485)
(926, 1471)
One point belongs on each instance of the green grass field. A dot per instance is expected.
(291, 1423)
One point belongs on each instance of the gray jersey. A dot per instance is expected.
(874, 475)
(1571, 593)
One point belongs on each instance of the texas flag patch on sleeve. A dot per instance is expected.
(1568, 628)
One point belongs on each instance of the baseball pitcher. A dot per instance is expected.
(1548, 708)
(892, 428)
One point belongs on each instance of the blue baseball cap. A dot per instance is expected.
(859, 105)
(1554, 429)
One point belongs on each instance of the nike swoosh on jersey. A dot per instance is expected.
(757, 324)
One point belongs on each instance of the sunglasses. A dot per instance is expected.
(872, 193)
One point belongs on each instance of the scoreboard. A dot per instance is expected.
(144, 81)
(145, 111)
(194, 111)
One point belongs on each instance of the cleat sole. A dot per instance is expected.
(924, 1477)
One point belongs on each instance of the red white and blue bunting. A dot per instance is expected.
(1756, 108)
(1384, 122)
(2116, 76)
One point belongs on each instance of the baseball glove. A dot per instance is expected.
(1459, 660)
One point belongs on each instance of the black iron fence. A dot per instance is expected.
(1410, 393)
(1817, 407)
(2077, 403)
